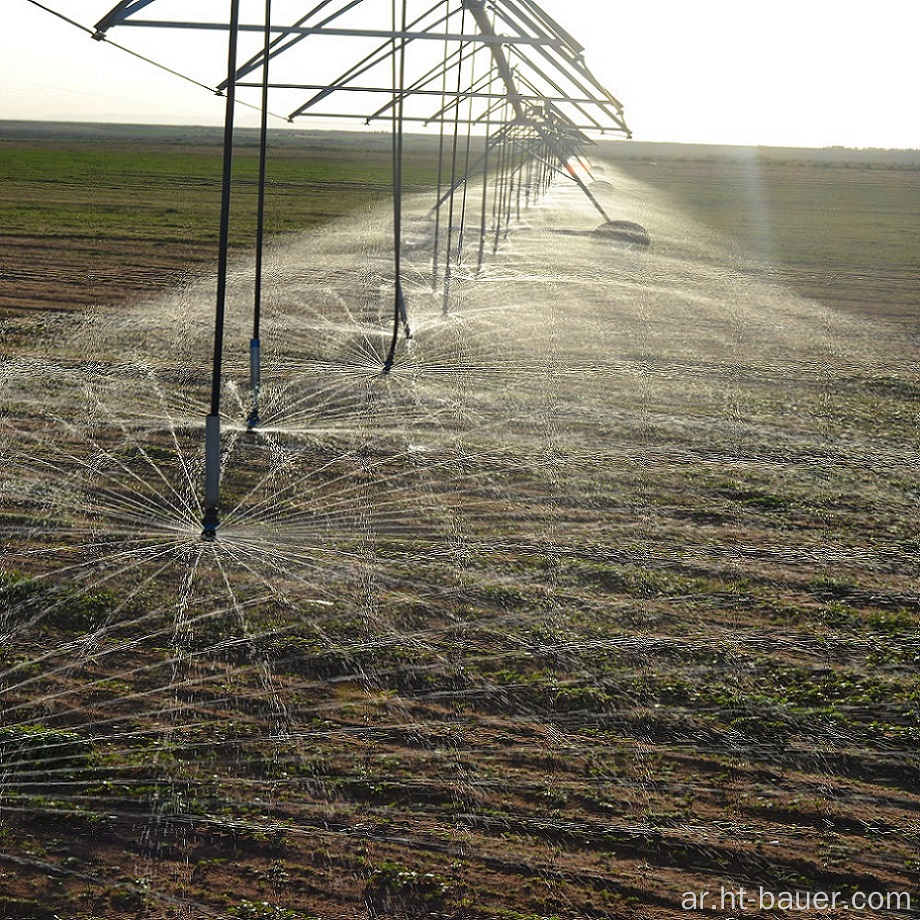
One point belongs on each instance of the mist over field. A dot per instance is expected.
(606, 593)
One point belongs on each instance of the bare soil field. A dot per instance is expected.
(606, 597)
(102, 214)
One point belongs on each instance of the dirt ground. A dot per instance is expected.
(584, 611)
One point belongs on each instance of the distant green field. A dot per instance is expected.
(108, 220)
(149, 194)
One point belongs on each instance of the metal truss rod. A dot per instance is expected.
(547, 22)
(368, 62)
(348, 33)
(273, 50)
(121, 12)
(566, 42)
(458, 96)
(564, 126)
(525, 135)
(420, 120)
(487, 30)
(596, 125)
(437, 211)
(526, 138)
(382, 90)
(487, 114)
(471, 171)
(416, 88)
(571, 64)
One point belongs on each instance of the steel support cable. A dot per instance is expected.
(255, 345)
(399, 303)
(212, 423)
(103, 38)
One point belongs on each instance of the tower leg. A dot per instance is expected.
(255, 381)
(212, 422)
(211, 477)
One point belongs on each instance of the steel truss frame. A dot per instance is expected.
(534, 103)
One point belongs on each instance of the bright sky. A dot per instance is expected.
(809, 73)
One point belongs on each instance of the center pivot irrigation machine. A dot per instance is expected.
(501, 70)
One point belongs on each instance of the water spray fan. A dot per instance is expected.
(503, 71)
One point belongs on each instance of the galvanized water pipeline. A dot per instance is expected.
(255, 360)
(212, 422)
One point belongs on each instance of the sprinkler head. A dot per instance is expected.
(253, 421)
(209, 525)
